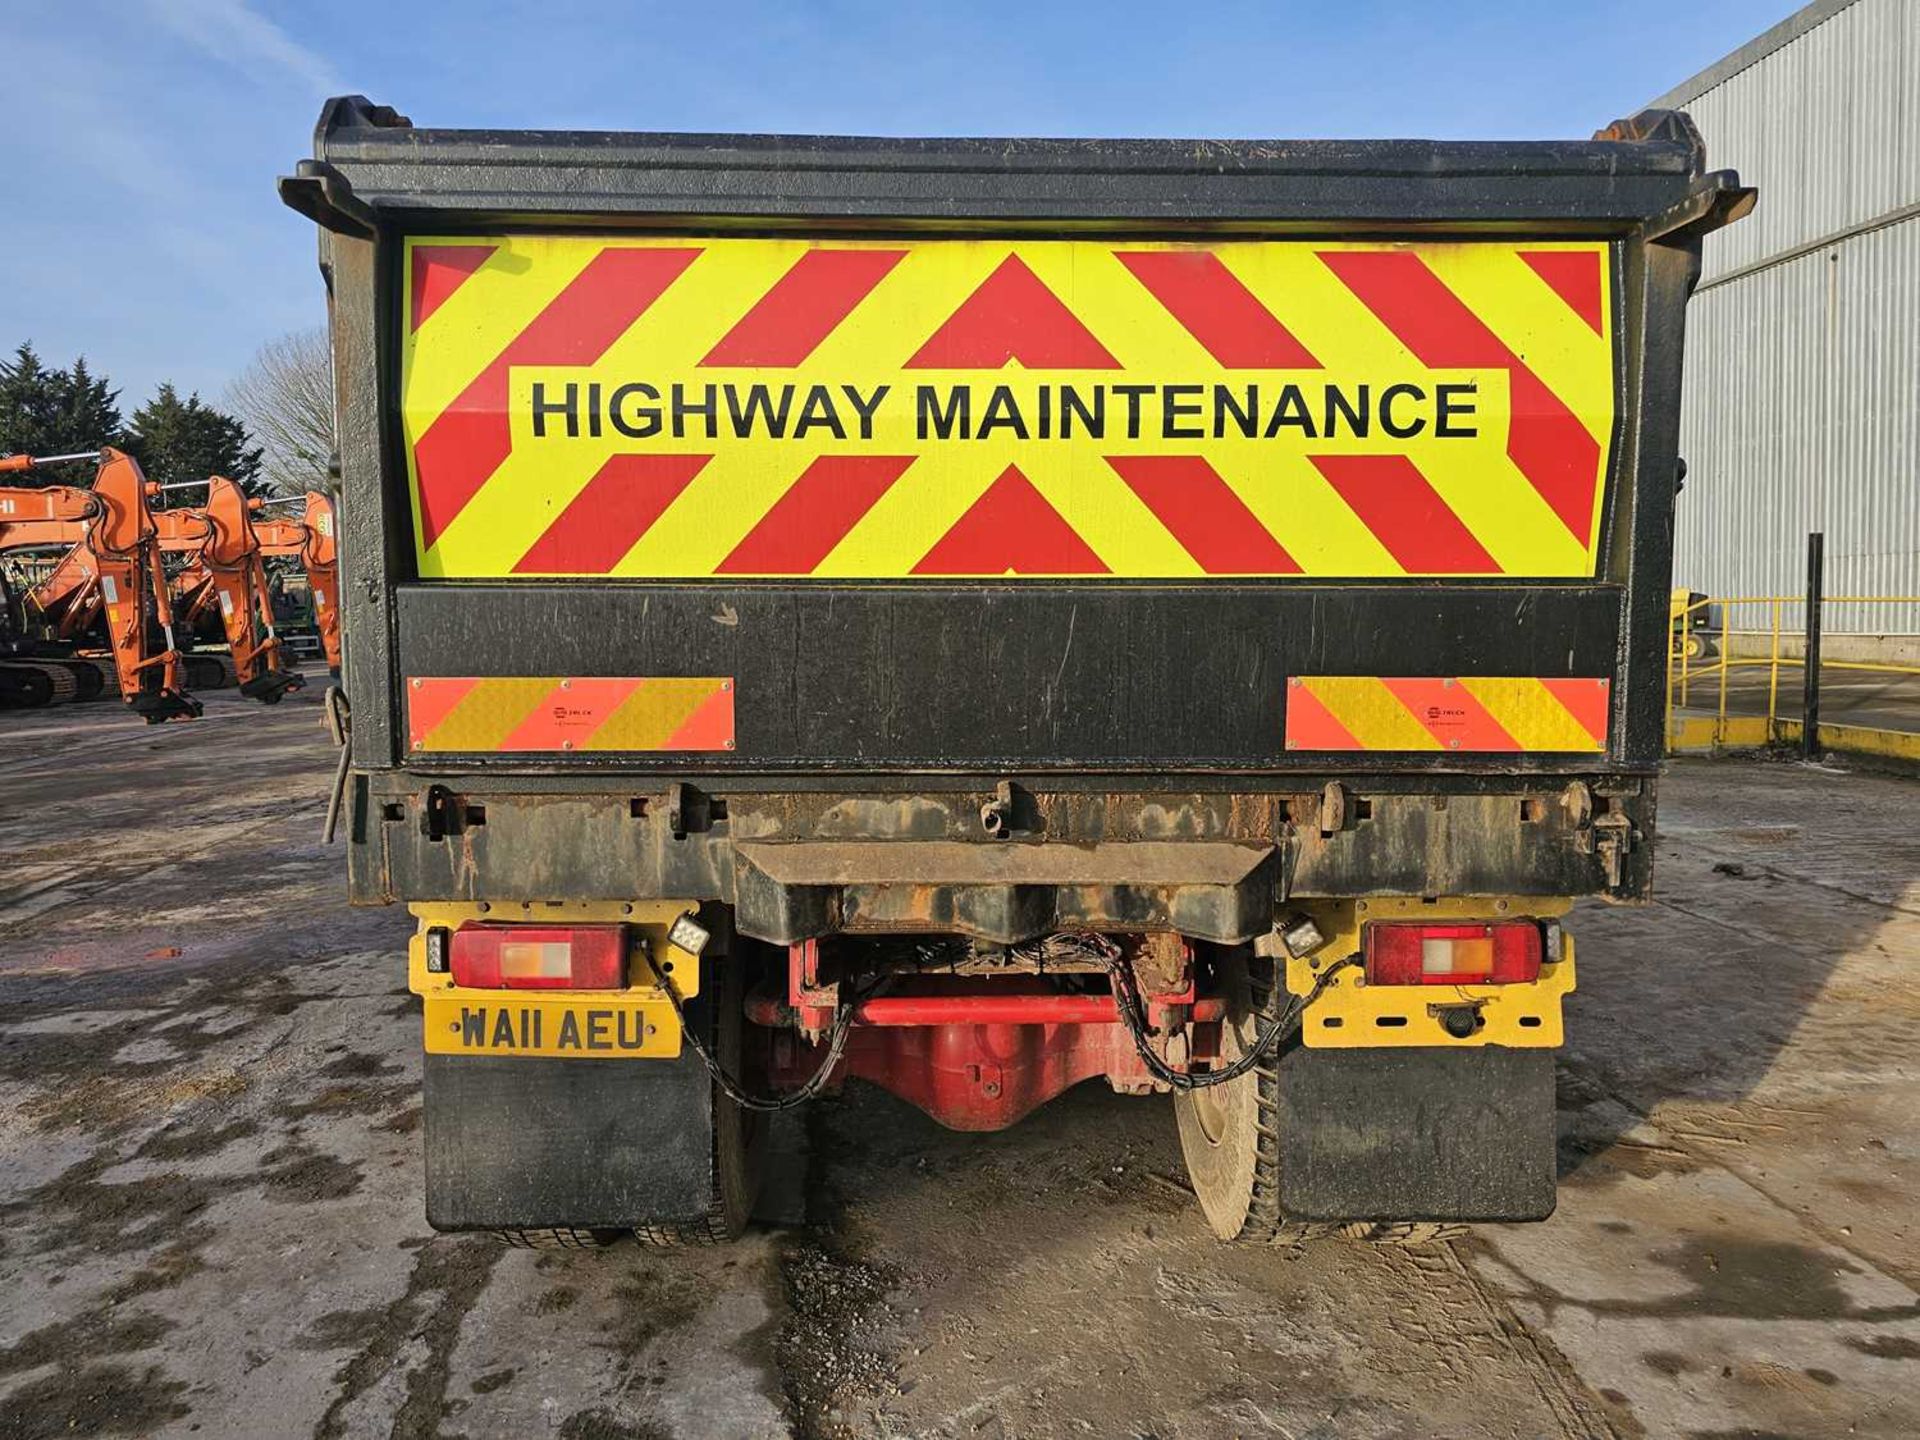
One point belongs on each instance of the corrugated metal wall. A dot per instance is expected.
(1802, 409)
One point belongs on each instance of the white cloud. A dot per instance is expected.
(234, 32)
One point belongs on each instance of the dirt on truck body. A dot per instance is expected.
(980, 616)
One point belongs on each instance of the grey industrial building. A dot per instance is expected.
(1802, 407)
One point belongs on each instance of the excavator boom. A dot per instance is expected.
(66, 602)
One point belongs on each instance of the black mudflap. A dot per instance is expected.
(516, 1144)
(1417, 1134)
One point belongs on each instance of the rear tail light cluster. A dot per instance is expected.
(1505, 953)
(536, 957)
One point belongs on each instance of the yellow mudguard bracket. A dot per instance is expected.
(1351, 1014)
(638, 1022)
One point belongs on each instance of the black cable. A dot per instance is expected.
(836, 1041)
(1127, 998)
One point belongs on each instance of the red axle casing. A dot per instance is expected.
(977, 1057)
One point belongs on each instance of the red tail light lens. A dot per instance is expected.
(1507, 953)
(540, 957)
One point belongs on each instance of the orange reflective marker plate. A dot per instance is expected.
(589, 713)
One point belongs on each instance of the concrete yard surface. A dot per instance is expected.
(211, 1219)
(1874, 699)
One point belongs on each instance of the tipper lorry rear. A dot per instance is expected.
(977, 616)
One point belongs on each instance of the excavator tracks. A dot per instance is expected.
(34, 684)
(93, 679)
(209, 671)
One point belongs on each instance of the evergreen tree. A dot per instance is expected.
(181, 441)
(54, 412)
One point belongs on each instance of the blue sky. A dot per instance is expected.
(140, 225)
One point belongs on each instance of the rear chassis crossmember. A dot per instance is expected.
(798, 864)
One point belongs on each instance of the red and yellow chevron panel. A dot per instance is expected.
(691, 407)
(1480, 713)
(525, 714)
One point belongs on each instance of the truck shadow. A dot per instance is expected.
(1768, 960)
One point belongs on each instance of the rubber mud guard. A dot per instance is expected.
(1417, 1133)
(516, 1144)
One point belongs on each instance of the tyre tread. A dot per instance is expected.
(556, 1237)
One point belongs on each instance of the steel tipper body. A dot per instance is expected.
(1192, 613)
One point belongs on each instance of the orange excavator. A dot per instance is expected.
(311, 540)
(308, 540)
(120, 556)
(31, 641)
(63, 605)
(226, 571)
(196, 602)
(66, 601)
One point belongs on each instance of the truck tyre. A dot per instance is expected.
(1229, 1134)
(558, 1237)
(738, 1135)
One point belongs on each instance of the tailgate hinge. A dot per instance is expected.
(444, 813)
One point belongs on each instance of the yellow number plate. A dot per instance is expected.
(572, 1027)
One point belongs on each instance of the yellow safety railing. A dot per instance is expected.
(1708, 710)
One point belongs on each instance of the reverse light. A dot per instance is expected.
(1507, 952)
(688, 934)
(540, 957)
